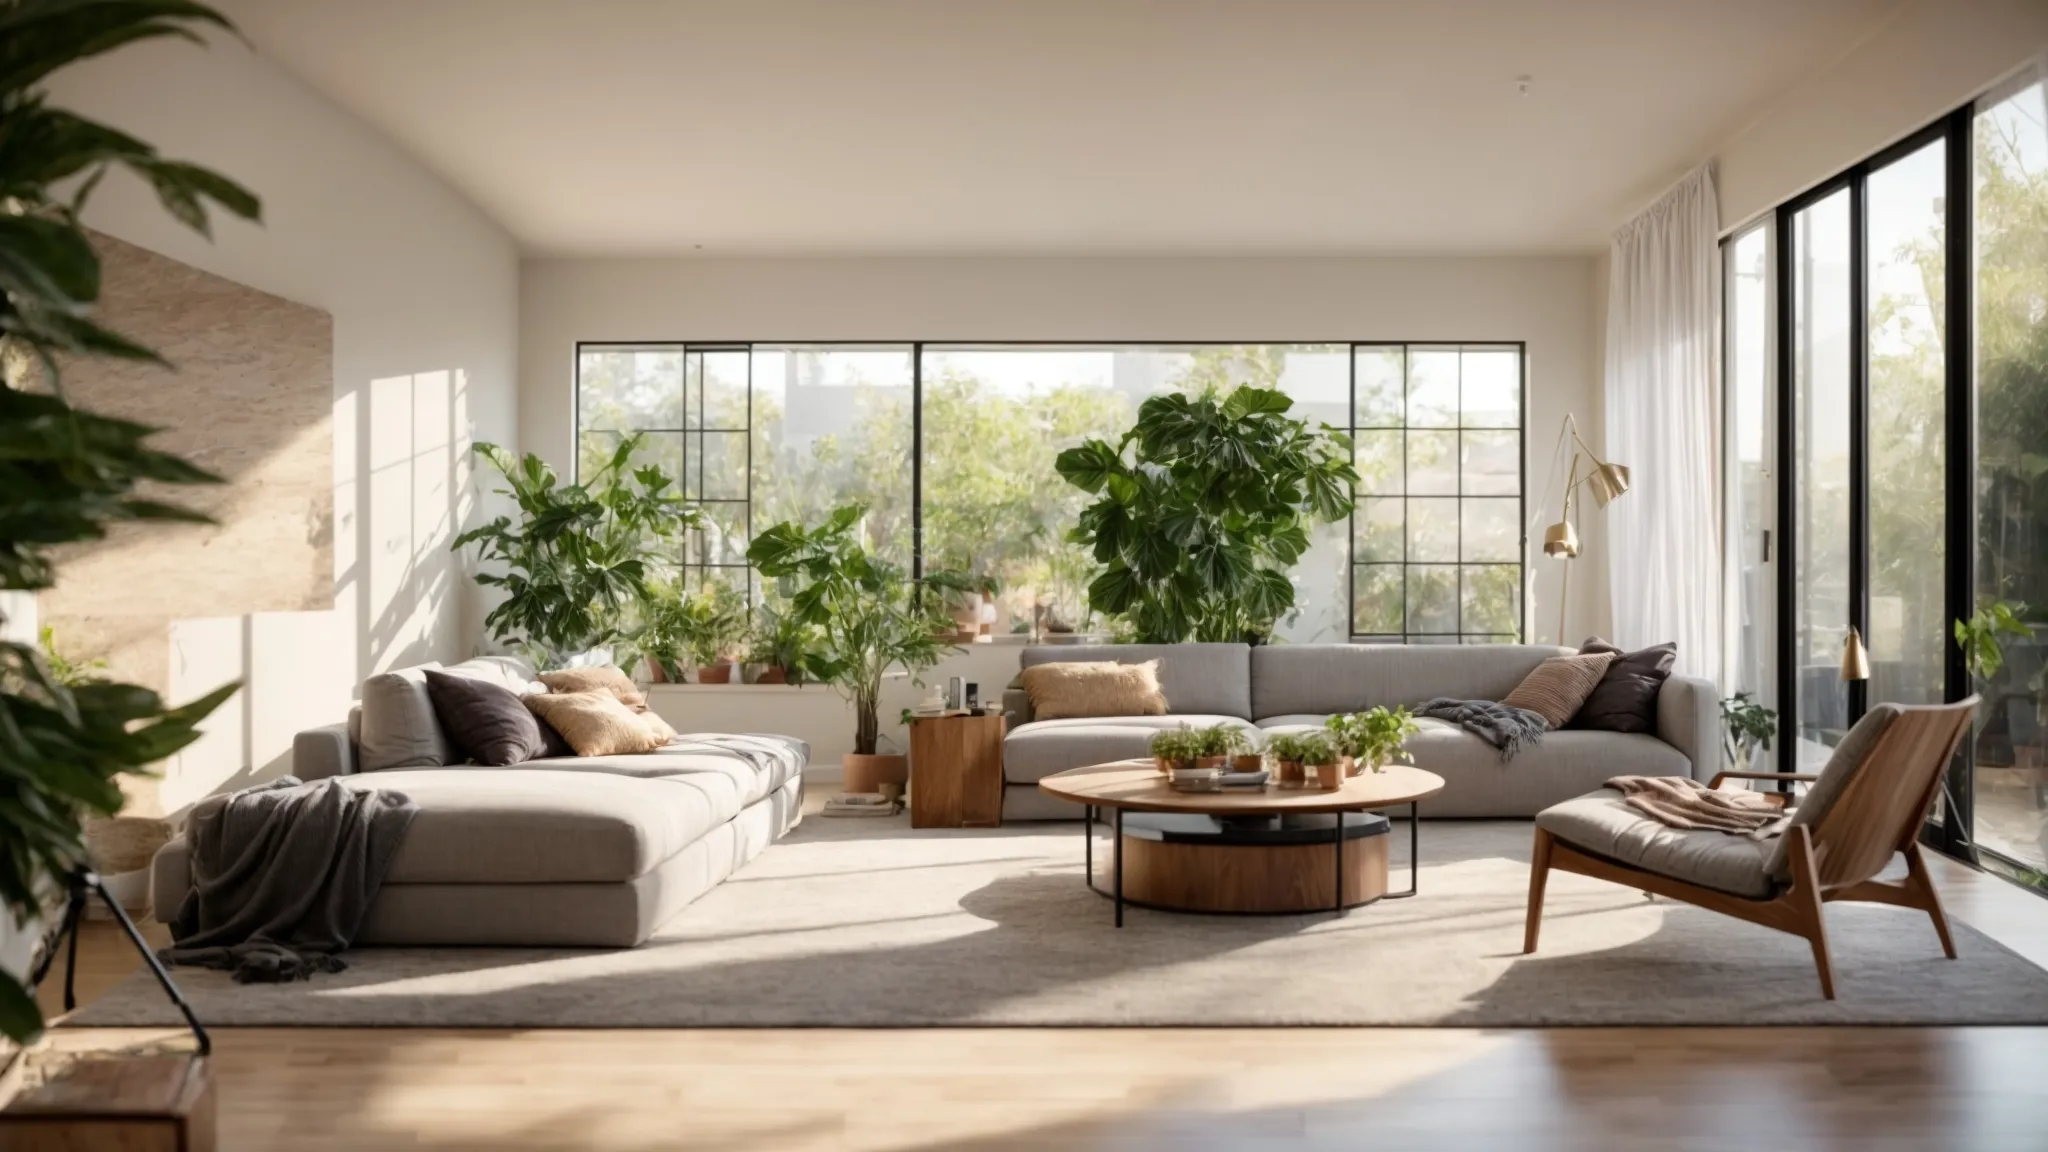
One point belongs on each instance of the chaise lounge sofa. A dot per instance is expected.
(1290, 687)
(568, 851)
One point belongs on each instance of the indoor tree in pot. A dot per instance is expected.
(67, 474)
(577, 560)
(1203, 507)
(866, 615)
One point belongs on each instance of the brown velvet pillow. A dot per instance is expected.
(594, 722)
(1094, 688)
(1558, 686)
(1625, 700)
(486, 721)
(607, 677)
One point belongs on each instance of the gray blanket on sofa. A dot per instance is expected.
(1508, 729)
(282, 876)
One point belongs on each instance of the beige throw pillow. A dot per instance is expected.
(1559, 685)
(1094, 688)
(608, 678)
(594, 722)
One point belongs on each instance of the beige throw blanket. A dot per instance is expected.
(1680, 802)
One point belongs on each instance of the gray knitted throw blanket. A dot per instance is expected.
(1508, 729)
(282, 876)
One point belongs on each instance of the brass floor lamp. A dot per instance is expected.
(1604, 479)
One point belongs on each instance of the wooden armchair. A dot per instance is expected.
(1869, 803)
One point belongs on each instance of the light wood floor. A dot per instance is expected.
(1847, 1089)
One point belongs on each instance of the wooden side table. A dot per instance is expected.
(956, 771)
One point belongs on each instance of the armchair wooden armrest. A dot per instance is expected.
(1803, 777)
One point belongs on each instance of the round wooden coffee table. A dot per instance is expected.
(1271, 851)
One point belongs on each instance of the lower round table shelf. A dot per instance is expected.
(1265, 865)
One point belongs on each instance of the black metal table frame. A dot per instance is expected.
(1337, 842)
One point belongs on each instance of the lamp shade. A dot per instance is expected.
(1606, 482)
(1561, 540)
(1855, 657)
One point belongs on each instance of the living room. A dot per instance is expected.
(979, 575)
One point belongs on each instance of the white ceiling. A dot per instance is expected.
(642, 127)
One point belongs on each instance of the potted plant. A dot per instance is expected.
(1217, 744)
(1749, 728)
(1371, 739)
(777, 652)
(713, 627)
(1176, 747)
(67, 474)
(866, 617)
(1295, 753)
(579, 557)
(1203, 507)
(1245, 753)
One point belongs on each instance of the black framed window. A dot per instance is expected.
(950, 446)
(1439, 528)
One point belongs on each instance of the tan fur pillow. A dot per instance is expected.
(655, 724)
(1559, 686)
(594, 722)
(1094, 688)
(608, 678)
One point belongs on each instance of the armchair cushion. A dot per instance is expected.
(1603, 824)
(1848, 759)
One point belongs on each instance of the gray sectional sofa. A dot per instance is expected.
(570, 851)
(1285, 687)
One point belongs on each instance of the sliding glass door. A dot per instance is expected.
(1820, 539)
(2009, 224)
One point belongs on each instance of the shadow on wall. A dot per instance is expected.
(402, 477)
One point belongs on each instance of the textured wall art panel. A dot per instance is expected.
(249, 397)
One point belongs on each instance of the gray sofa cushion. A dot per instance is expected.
(1477, 783)
(1211, 679)
(1039, 749)
(525, 825)
(1326, 678)
(399, 728)
(1846, 761)
(1602, 823)
(749, 781)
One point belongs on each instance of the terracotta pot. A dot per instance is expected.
(869, 773)
(656, 674)
(714, 674)
(1211, 761)
(1290, 773)
(1330, 777)
(773, 674)
(1166, 766)
(1248, 762)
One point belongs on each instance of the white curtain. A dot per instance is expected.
(1663, 421)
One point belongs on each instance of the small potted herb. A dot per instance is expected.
(1217, 744)
(1371, 739)
(1245, 754)
(1176, 747)
(1294, 753)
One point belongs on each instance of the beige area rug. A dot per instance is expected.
(869, 923)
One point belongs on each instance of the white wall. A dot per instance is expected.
(424, 294)
(1550, 302)
(1930, 58)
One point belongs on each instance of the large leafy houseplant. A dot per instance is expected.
(866, 615)
(577, 562)
(66, 474)
(1203, 507)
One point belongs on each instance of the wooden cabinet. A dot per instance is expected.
(956, 771)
